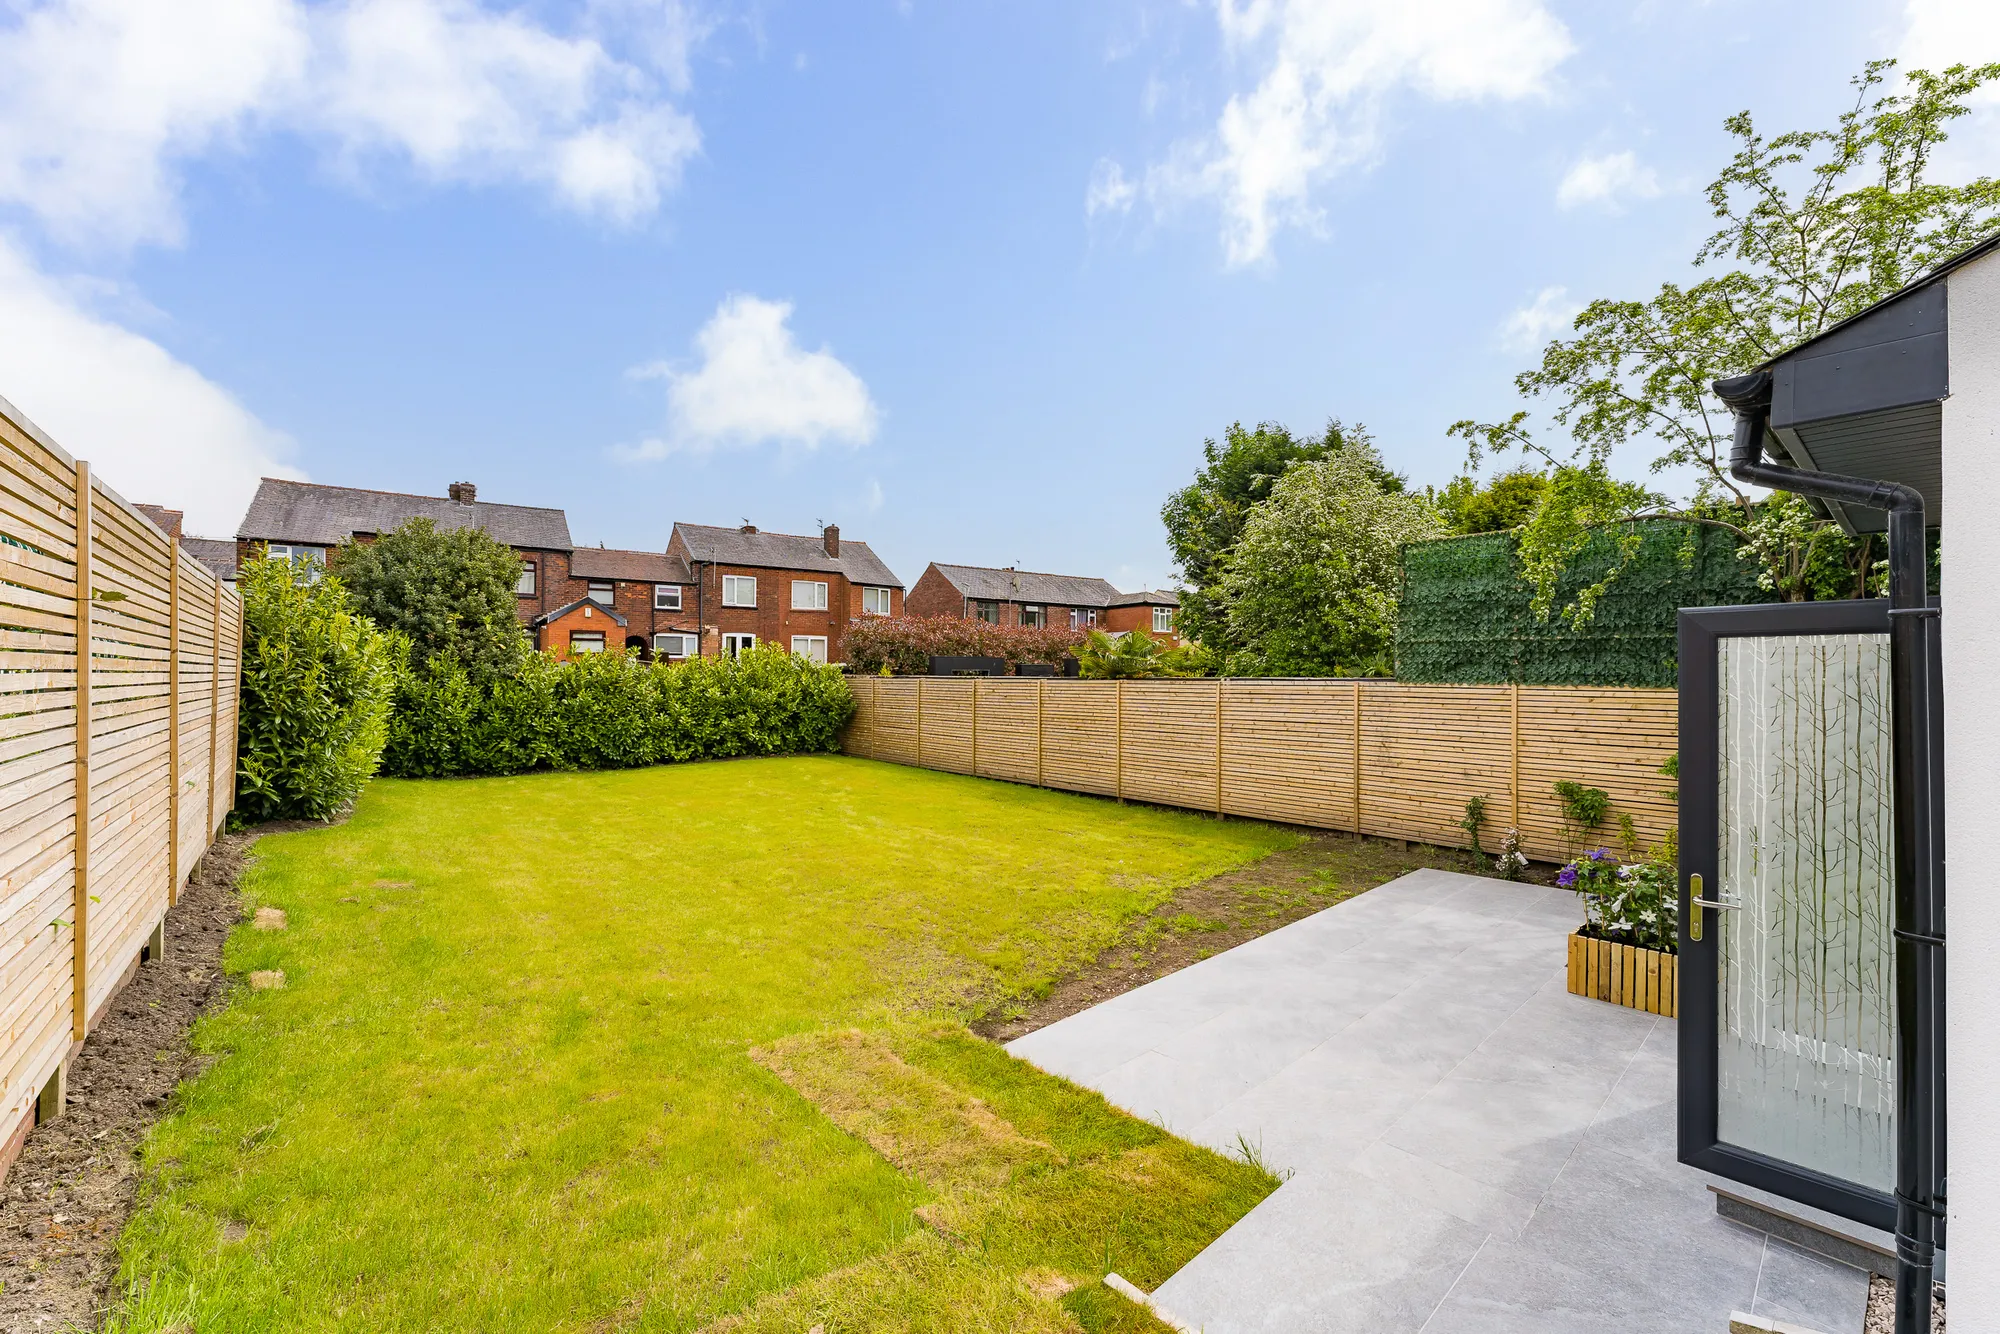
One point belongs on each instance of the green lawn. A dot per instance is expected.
(522, 1076)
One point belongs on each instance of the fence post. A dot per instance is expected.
(1119, 687)
(214, 710)
(975, 726)
(1357, 759)
(80, 898)
(235, 737)
(1514, 746)
(173, 721)
(1218, 745)
(1041, 688)
(920, 722)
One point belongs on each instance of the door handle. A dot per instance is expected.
(1696, 902)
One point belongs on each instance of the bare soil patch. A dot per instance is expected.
(1227, 910)
(67, 1196)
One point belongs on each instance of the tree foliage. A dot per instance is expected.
(449, 591)
(1814, 226)
(906, 644)
(1310, 588)
(318, 679)
(1505, 503)
(1205, 518)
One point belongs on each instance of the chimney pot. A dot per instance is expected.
(829, 537)
(462, 492)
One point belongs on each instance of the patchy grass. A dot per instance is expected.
(509, 1081)
(1207, 917)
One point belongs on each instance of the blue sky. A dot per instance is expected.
(973, 280)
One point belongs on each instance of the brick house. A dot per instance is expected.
(640, 600)
(798, 592)
(217, 554)
(1025, 597)
(305, 520)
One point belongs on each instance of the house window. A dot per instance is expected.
(586, 641)
(875, 602)
(978, 610)
(525, 585)
(1034, 616)
(735, 644)
(666, 597)
(808, 595)
(810, 646)
(739, 590)
(603, 591)
(676, 646)
(1080, 618)
(1163, 620)
(313, 558)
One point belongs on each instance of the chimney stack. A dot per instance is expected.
(462, 492)
(747, 528)
(829, 537)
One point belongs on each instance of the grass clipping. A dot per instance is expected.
(1012, 1240)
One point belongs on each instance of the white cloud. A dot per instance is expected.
(152, 427)
(1942, 33)
(756, 385)
(1110, 191)
(1607, 180)
(106, 99)
(1327, 68)
(1550, 315)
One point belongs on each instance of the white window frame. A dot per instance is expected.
(524, 583)
(814, 591)
(809, 641)
(733, 589)
(588, 637)
(666, 597)
(1040, 613)
(734, 643)
(609, 587)
(313, 558)
(1163, 620)
(884, 596)
(973, 606)
(688, 644)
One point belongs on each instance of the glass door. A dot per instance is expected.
(1788, 872)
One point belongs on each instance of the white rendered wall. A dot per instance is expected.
(1971, 629)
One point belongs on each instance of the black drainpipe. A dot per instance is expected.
(1919, 933)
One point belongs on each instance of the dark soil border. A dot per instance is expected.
(65, 1200)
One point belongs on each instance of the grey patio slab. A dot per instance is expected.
(1469, 1147)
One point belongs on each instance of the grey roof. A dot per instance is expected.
(288, 511)
(1063, 590)
(217, 554)
(784, 551)
(565, 610)
(639, 567)
(1157, 597)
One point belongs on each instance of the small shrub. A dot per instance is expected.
(1583, 810)
(906, 644)
(319, 681)
(1475, 815)
(1512, 863)
(1633, 903)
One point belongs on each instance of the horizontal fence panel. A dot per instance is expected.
(131, 574)
(1386, 758)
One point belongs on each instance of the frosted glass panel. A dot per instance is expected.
(1806, 962)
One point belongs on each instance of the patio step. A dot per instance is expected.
(1838, 1239)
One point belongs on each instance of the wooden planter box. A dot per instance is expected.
(1625, 975)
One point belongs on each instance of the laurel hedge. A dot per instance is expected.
(1465, 615)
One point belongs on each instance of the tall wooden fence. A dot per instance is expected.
(116, 758)
(1375, 757)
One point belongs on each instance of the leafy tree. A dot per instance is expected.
(1205, 518)
(1815, 225)
(450, 591)
(318, 682)
(1312, 584)
(1504, 503)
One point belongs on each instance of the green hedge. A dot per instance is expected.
(612, 711)
(1465, 615)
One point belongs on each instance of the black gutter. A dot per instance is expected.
(1919, 860)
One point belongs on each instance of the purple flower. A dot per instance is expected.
(1601, 855)
(1566, 878)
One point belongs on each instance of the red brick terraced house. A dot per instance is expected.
(305, 520)
(638, 600)
(1026, 597)
(752, 587)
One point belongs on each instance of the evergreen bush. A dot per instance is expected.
(319, 680)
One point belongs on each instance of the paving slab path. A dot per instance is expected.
(1468, 1147)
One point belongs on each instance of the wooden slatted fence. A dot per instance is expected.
(1385, 758)
(116, 761)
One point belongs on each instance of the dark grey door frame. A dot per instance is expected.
(1701, 630)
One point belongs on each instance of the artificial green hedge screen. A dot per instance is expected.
(1465, 616)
